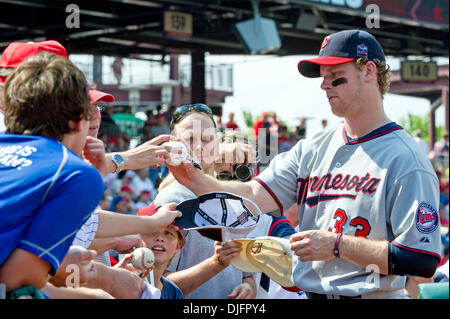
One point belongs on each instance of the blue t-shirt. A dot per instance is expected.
(46, 193)
(170, 290)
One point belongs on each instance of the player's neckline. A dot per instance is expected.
(383, 130)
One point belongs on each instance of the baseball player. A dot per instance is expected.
(367, 197)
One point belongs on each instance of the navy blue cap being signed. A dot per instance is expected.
(342, 47)
(218, 216)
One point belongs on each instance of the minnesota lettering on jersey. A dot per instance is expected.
(315, 184)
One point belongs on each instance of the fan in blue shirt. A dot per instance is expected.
(47, 190)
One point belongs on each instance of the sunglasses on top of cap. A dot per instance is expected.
(185, 109)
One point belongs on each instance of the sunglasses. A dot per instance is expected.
(185, 109)
(101, 106)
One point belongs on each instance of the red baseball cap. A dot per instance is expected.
(151, 210)
(100, 96)
(16, 52)
(126, 188)
(148, 210)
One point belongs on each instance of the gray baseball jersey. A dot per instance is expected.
(379, 186)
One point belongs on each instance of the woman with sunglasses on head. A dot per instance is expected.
(201, 269)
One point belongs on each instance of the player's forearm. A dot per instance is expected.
(366, 253)
(206, 183)
(191, 278)
(251, 190)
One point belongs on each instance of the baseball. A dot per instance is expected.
(176, 158)
(143, 258)
(86, 264)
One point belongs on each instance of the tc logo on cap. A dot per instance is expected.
(325, 42)
(362, 51)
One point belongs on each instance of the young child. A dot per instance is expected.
(164, 244)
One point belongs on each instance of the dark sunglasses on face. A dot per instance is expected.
(101, 106)
(185, 109)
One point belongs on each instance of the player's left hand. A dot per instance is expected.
(312, 245)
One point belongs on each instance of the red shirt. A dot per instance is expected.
(257, 125)
(232, 125)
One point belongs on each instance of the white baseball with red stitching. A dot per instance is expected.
(143, 258)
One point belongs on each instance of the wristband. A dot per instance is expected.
(336, 245)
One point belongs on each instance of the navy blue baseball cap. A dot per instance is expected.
(342, 47)
(218, 216)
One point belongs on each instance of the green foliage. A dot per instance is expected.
(414, 122)
(248, 118)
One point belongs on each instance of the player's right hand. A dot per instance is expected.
(186, 173)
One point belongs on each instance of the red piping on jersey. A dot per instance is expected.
(370, 137)
(416, 250)
(271, 193)
(278, 222)
(292, 289)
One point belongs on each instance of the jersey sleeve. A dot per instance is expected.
(280, 178)
(281, 227)
(68, 206)
(414, 218)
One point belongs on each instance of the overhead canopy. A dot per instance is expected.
(129, 28)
